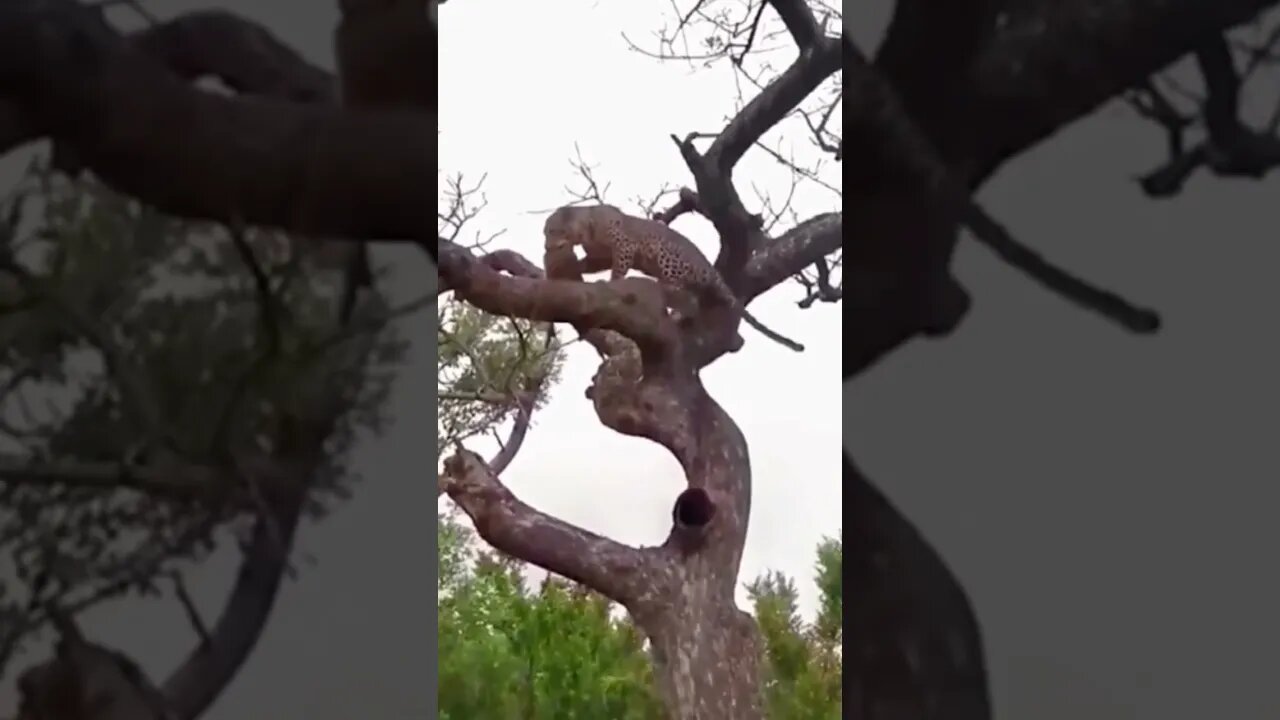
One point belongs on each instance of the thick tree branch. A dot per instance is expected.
(243, 55)
(606, 566)
(308, 169)
(789, 253)
(930, 83)
(501, 261)
(819, 59)
(1220, 111)
(634, 307)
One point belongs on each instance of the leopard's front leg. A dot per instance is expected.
(623, 257)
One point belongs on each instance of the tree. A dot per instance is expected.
(1019, 72)
(955, 90)
(165, 423)
(165, 392)
(562, 652)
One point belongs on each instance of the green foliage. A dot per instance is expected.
(830, 579)
(804, 663)
(125, 333)
(563, 652)
(486, 363)
(559, 653)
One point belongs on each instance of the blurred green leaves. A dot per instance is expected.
(486, 364)
(123, 331)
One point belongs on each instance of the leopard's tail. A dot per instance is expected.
(722, 293)
(771, 334)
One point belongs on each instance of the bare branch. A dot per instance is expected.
(821, 289)
(190, 609)
(592, 193)
(1231, 149)
(463, 203)
(687, 201)
(790, 163)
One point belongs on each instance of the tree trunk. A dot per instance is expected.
(706, 651)
(706, 657)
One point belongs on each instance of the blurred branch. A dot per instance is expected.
(592, 193)
(1231, 149)
(190, 609)
(362, 171)
(882, 113)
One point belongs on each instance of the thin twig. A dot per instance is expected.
(189, 607)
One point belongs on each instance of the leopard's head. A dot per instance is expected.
(565, 227)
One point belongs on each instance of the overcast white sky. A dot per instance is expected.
(518, 120)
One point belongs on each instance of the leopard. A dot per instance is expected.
(615, 241)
